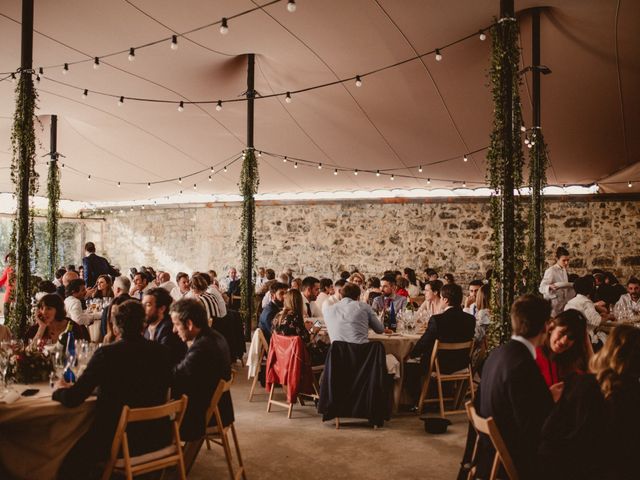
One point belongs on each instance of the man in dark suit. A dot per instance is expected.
(133, 372)
(277, 291)
(513, 391)
(207, 362)
(94, 266)
(156, 303)
(451, 326)
(233, 287)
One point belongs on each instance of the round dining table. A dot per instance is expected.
(37, 432)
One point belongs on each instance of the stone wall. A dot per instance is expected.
(325, 238)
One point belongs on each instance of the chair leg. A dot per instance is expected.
(270, 398)
(208, 444)
(235, 441)
(337, 423)
(227, 451)
(253, 385)
(495, 467)
(182, 472)
(108, 469)
(441, 397)
(423, 394)
(290, 410)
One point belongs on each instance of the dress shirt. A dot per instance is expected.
(526, 343)
(222, 307)
(168, 286)
(311, 308)
(585, 306)
(350, 320)
(322, 297)
(176, 294)
(399, 302)
(266, 299)
(332, 300)
(137, 294)
(472, 310)
(560, 297)
(627, 302)
(73, 306)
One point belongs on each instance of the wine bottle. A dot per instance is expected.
(393, 324)
(68, 374)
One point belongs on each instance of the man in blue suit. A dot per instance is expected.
(94, 266)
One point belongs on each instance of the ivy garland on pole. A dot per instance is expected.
(538, 161)
(504, 51)
(249, 181)
(24, 177)
(53, 194)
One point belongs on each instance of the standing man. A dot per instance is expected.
(94, 266)
(310, 290)
(389, 287)
(156, 303)
(233, 286)
(555, 284)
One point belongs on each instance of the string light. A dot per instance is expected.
(41, 71)
(96, 63)
(121, 101)
(438, 55)
(65, 69)
(629, 184)
(119, 185)
(219, 105)
(13, 78)
(38, 78)
(284, 160)
(523, 128)
(195, 187)
(225, 169)
(259, 153)
(355, 172)
(466, 159)
(181, 107)
(483, 36)
(174, 42)
(180, 192)
(224, 27)
(212, 171)
(377, 173)
(464, 183)
(319, 166)
(358, 81)
(179, 179)
(210, 178)
(85, 93)
(88, 178)
(335, 171)
(428, 181)
(420, 169)
(392, 177)
(287, 98)
(295, 165)
(291, 6)
(132, 54)
(148, 184)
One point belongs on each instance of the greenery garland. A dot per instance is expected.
(23, 162)
(53, 194)
(504, 48)
(249, 181)
(538, 161)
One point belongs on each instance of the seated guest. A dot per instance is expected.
(611, 291)
(483, 312)
(213, 290)
(296, 283)
(102, 289)
(337, 293)
(356, 278)
(470, 302)
(372, 291)
(57, 280)
(277, 292)
(451, 326)
(121, 287)
(199, 287)
(44, 287)
(310, 290)
(326, 290)
(140, 285)
(133, 372)
(112, 333)
(290, 321)
(51, 321)
(449, 279)
(182, 289)
(206, 363)
(233, 287)
(76, 292)
(431, 274)
(349, 320)
(156, 303)
(163, 280)
(413, 288)
(631, 299)
(389, 287)
(567, 348)
(344, 275)
(66, 279)
(432, 304)
(402, 284)
(513, 392)
(584, 287)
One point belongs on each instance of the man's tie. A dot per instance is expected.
(309, 310)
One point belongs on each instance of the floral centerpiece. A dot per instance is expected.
(28, 363)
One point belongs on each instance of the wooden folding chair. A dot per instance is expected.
(463, 375)
(152, 461)
(487, 426)
(218, 433)
(263, 349)
(289, 406)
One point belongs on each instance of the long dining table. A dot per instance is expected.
(37, 432)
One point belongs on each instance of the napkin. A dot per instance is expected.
(10, 397)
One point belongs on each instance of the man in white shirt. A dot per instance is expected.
(76, 291)
(555, 284)
(310, 291)
(631, 299)
(337, 293)
(182, 289)
(163, 280)
(326, 290)
(349, 320)
(584, 287)
(140, 285)
(470, 302)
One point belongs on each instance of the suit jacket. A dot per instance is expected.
(106, 314)
(197, 375)
(133, 372)
(266, 319)
(94, 266)
(233, 288)
(451, 326)
(164, 336)
(514, 393)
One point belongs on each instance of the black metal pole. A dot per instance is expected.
(536, 193)
(508, 200)
(250, 220)
(53, 183)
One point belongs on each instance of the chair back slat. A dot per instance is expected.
(223, 386)
(455, 346)
(160, 411)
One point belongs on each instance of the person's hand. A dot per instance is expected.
(388, 330)
(91, 292)
(61, 383)
(308, 324)
(553, 287)
(556, 391)
(470, 301)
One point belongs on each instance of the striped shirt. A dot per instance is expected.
(210, 305)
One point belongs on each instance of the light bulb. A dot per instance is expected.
(219, 105)
(259, 153)
(148, 184)
(180, 192)
(131, 209)
(483, 36)
(41, 71)
(438, 55)
(174, 42)
(225, 169)
(355, 172)
(629, 185)
(295, 165)
(358, 81)
(89, 178)
(119, 185)
(224, 27)
(466, 159)
(319, 166)
(132, 54)
(428, 181)
(393, 177)
(212, 171)
(181, 107)
(523, 128)
(195, 187)
(96, 63)
(38, 78)
(526, 141)
(291, 6)
(530, 145)
(65, 69)
(121, 101)
(464, 183)
(210, 179)
(142, 207)
(85, 93)
(179, 179)
(335, 171)
(284, 160)
(420, 169)
(288, 98)
(377, 173)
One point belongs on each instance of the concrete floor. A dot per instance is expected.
(304, 448)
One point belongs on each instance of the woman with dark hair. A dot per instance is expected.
(52, 321)
(567, 349)
(414, 288)
(103, 288)
(372, 291)
(432, 300)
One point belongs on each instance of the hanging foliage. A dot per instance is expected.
(53, 194)
(23, 176)
(504, 51)
(538, 162)
(249, 181)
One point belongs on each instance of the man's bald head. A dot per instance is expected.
(67, 277)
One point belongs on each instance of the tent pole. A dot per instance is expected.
(248, 267)
(536, 193)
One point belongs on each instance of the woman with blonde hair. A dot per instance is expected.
(357, 278)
